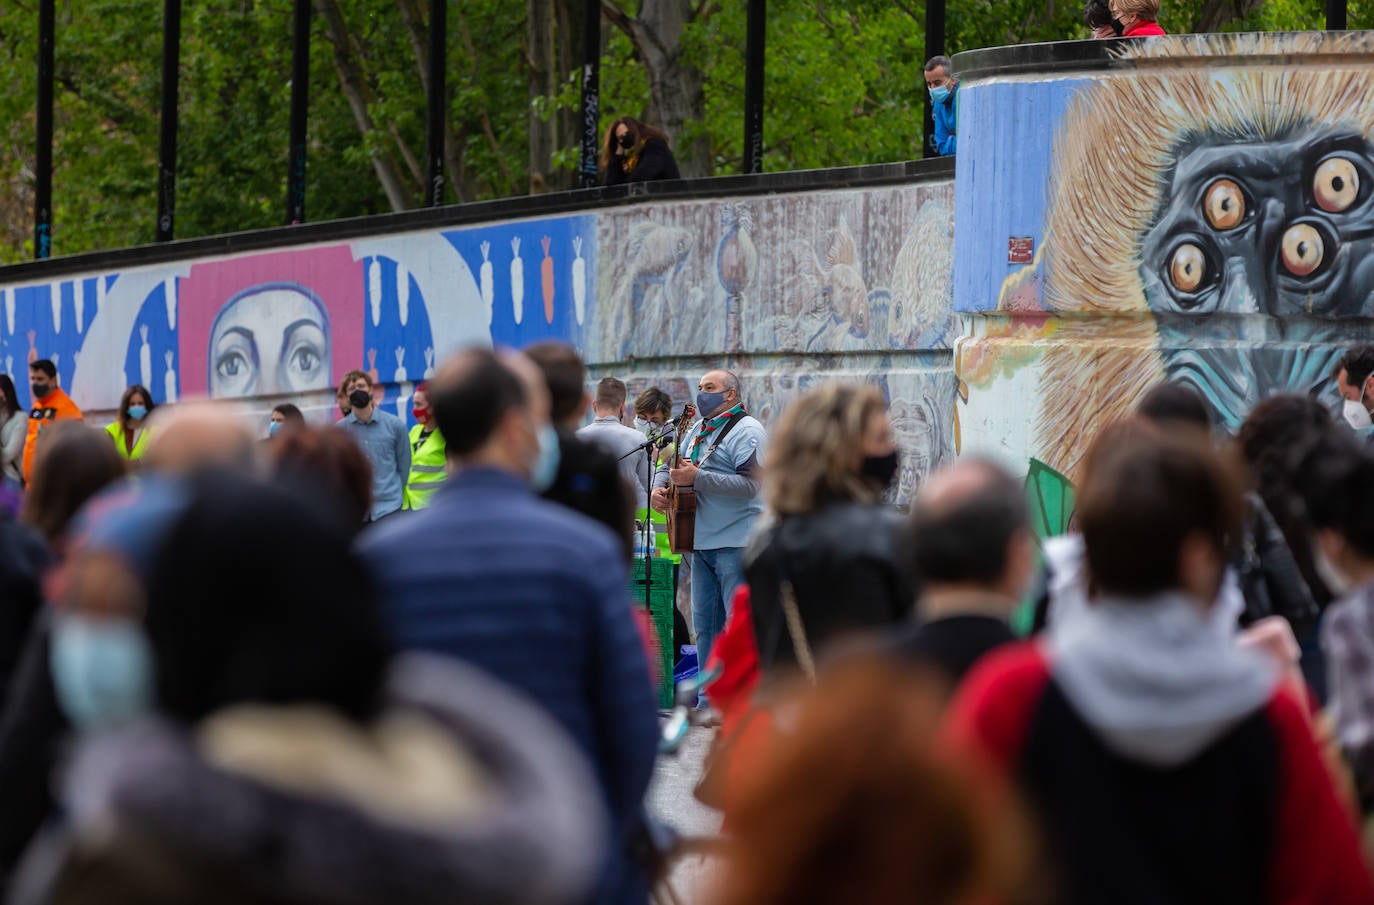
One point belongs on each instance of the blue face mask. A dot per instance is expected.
(138, 412)
(546, 466)
(102, 670)
(939, 95)
(707, 403)
(273, 427)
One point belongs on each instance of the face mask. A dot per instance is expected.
(39, 390)
(626, 141)
(274, 428)
(643, 426)
(421, 414)
(1355, 414)
(138, 412)
(1332, 577)
(707, 403)
(360, 399)
(102, 670)
(546, 465)
(880, 469)
(939, 95)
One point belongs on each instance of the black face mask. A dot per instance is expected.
(626, 141)
(359, 399)
(880, 469)
(39, 390)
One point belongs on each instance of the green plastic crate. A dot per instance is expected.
(662, 599)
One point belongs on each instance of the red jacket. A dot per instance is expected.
(1144, 30)
(1011, 714)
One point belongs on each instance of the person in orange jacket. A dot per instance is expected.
(49, 404)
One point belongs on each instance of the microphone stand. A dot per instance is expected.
(648, 534)
(658, 440)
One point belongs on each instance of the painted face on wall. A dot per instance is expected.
(269, 340)
(1281, 228)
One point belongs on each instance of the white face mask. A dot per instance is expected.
(1334, 579)
(643, 426)
(1355, 414)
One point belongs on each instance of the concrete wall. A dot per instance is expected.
(788, 288)
(1193, 208)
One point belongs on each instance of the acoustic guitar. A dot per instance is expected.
(682, 499)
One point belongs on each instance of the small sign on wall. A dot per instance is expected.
(1020, 249)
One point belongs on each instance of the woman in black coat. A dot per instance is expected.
(635, 152)
(833, 546)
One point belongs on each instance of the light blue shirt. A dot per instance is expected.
(727, 485)
(384, 440)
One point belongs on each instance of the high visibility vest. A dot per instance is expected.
(428, 468)
(140, 441)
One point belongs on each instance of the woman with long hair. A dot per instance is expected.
(14, 428)
(635, 152)
(831, 562)
(129, 429)
(72, 463)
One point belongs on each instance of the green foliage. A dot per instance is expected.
(844, 86)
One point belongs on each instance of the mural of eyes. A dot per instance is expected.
(1224, 204)
(1302, 249)
(1336, 185)
(1188, 267)
(270, 340)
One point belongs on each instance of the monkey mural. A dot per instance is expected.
(1215, 224)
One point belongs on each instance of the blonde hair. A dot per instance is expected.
(1144, 10)
(815, 448)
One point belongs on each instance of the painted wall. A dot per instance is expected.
(789, 289)
(1201, 211)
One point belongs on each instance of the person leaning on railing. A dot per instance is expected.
(635, 152)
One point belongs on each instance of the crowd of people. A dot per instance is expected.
(352, 663)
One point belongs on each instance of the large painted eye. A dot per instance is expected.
(1336, 185)
(1302, 249)
(1187, 267)
(1224, 204)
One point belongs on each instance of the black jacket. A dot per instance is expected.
(589, 482)
(849, 566)
(1269, 576)
(655, 162)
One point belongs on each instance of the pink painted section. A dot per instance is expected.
(330, 273)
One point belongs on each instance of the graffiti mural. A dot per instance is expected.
(1198, 213)
(786, 289)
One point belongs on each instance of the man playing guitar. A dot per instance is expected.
(719, 459)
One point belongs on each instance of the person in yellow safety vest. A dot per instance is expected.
(129, 431)
(428, 464)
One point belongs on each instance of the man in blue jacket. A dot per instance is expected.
(720, 458)
(530, 591)
(944, 104)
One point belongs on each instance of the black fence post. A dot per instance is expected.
(754, 42)
(42, 190)
(300, 105)
(436, 118)
(167, 146)
(935, 46)
(1336, 13)
(587, 166)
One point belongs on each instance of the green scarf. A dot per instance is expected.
(710, 427)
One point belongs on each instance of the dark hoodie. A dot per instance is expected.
(1166, 765)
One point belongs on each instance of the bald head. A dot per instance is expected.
(197, 435)
(723, 382)
(969, 526)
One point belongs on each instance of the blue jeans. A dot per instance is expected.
(716, 575)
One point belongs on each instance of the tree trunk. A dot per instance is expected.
(543, 82)
(676, 93)
(569, 135)
(352, 82)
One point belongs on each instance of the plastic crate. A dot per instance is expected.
(662, 599)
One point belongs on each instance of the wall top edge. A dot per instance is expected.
(1076, 57)
(580, 201)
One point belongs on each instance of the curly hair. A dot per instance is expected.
(816, 449)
